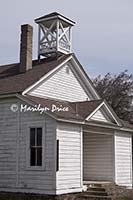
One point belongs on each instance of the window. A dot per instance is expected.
(35, 146)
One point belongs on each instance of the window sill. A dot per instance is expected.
(35, 168)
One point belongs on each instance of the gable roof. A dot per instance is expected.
(12, 81)
(108, 113)
(79, 72)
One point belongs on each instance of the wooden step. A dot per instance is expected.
(94, 185)
(97, 189)
(99, 193)
(94, 197)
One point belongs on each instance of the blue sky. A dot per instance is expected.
(102, 36)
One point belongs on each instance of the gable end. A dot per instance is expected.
(62, 85)
(103, 113)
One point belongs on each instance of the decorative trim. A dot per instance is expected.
(95, 111)
(85, 78)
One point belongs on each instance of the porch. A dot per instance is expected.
(92, 154)
(98, 155)
(107, 156)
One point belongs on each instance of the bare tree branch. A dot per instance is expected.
(118, 91)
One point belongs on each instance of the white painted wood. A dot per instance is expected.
(97, 157)
(42, 178)
(62, 86)
(98, 116)
(98, 154)
(57, 35)
(69, 175)
(79, 74)
(54, 36)
(14, 172)
(8, 144)
(123, 157)
(104, 113)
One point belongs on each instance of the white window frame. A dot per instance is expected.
(29, 167)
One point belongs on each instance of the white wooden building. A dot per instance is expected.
(77, 138)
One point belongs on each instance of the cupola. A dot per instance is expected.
(54, 35)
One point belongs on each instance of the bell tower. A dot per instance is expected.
(54, 35)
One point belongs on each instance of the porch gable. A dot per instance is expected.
(103, 113)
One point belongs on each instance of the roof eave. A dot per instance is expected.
(86, 77)
(58, 16)
(71, 121)
(109, 126)
(8, 95)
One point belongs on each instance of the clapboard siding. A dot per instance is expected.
(8, 143)
(43, 179)
(69, 174)
(123, 157)
(61, 85)
(15, 174)
(99, 116)
(97, 157)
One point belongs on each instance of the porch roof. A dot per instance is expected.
(77, 111)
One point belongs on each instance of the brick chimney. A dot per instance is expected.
(26, 48)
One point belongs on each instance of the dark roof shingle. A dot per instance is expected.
(76, 110)
(11, 81)
(85, 108)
